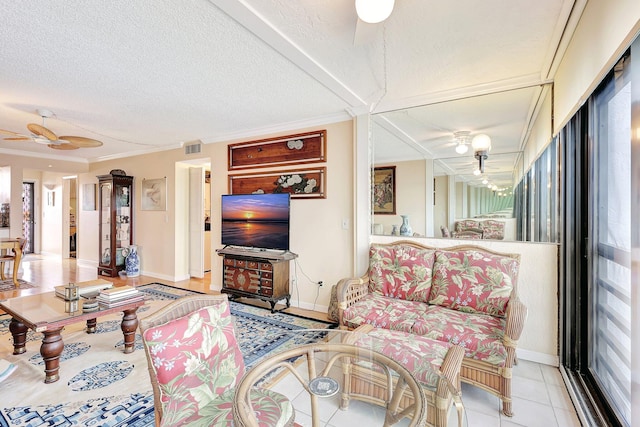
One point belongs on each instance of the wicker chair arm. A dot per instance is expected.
(516, 315)
(450, 367)
(349, 291)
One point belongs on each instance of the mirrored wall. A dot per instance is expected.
(427, 173)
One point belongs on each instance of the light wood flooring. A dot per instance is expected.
(48, 271)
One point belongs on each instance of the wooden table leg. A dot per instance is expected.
(16, 265)
(19, 334)
(129, 326)
(51, 349)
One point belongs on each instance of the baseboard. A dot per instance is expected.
(534, 356)
(86, 263)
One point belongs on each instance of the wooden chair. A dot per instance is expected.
(195, 363)
(10, 256)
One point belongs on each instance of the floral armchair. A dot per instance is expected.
(195, 363)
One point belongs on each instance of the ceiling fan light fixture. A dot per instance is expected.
(374, 11)
(462, 137)
(481, 142)
(462, 148)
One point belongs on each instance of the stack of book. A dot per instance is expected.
(85, 288)
(117, 296)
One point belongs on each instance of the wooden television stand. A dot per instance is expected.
(256, 273)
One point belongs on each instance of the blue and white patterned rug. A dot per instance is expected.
(101, 386)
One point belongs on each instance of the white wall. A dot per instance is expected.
(537, 288)
(606, 29)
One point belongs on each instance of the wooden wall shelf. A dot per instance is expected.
(310, 147)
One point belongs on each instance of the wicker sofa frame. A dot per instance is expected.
(492, 378)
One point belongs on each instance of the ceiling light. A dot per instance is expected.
(485, 181)
(481, 144)
(477, 172)
(462, 138)
(374, 11)
(462, 148)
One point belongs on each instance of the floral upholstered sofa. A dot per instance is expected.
(465, 295)
(472, 229)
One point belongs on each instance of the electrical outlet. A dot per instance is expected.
(320, 283)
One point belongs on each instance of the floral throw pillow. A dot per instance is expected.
(401, 271)
(196, 358)
(473, 281)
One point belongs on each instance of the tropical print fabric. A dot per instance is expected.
(401, 271)
(492, 229)
(198, 363)
(384, 312)
(480, 335)
(421, 356)
(473, 281)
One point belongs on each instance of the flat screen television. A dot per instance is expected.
(256, 220)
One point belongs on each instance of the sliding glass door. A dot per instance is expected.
(609, 308)
(600, 250)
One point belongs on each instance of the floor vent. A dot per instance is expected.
(193, 148)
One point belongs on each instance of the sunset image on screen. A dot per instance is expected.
(256, 208)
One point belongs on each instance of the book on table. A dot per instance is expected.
(117, 296)
(119, 302)
(87, 287)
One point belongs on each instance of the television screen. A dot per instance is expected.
(256, 220)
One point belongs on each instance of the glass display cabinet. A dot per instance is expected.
(116, 221)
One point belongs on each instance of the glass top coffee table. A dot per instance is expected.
(351, 372)
(49, 314)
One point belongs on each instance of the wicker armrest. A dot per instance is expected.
(516, 315)
(349, 291)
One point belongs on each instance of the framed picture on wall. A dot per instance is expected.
(89, 197)
(384, 190)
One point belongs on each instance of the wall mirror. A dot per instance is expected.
(437, 182)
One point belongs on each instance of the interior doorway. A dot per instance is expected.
(28, 215)
(69, 217)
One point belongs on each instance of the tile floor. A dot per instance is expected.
(539, 399)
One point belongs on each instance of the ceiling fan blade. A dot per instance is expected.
(364, 33)
(8, 132)
(18, 138)
(42, 131)
(82, 142)
(63, 146)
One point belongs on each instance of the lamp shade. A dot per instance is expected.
(462, 148)
(481, 142)
(374, 11)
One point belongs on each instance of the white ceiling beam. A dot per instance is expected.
(249, 18)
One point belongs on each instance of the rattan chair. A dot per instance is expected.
(195, 363)
(10, 256)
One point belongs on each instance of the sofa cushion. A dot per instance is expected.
(195, 358)
(466, 224)
(383, 312)
(473, 281)
(271, 409)
(421, 355)
(401, 271)
(479, 334)
(492, 229)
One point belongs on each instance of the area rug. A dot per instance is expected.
(7, 285)
(101, 386)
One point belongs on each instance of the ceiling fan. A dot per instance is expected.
(42, 135)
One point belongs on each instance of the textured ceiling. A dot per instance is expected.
(152, 74)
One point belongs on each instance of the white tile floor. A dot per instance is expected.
(539, 399)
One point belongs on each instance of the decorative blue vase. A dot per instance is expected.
(132, 261)
(405, 228)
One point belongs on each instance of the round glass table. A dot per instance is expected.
(368, 376)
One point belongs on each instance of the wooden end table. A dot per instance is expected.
(49, 314)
